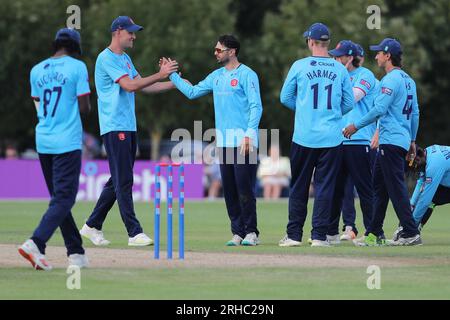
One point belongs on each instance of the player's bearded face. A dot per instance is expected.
(222, 53)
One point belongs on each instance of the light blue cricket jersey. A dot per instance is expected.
(320, 92)
(377, 92)
(363, 79)
(116, 106)
(397, 109)
(437, 172)
(237, 102)
(58, 82)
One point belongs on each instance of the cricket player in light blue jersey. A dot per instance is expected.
(356, 164)
(397, 109)
(348, 203)
(319, 90)
(60, 90)
(116, 81)
(238, 110)
(433, 186)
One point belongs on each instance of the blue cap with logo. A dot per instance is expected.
(388, 45)
(318, 31)
(125, 23)
(359, 50)
(68, 34)
(344, 48)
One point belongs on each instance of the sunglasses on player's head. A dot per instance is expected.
(218, 50)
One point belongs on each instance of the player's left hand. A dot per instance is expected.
(349, 131)
(374, 143)
(162, 61)
(166, 67)
(246, 146)
(349, 62)
(411, 153)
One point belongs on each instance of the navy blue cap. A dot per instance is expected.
(388, 45)
(124, 22)
(344, 48)
(68, 34)
(359, 50)
(318, 31)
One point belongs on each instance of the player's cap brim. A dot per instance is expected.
(376, 48)
(336, 53)
(134, 28)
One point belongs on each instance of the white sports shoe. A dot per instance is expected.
(348, 234)
(251, 239)
(79, 260)
(412, 241)
(235, 241)
(359, 242)
(140, 240)
(397, 233)
(320, 243)
(30, 251)
(96, 236)
(287, 242)
(333, 239)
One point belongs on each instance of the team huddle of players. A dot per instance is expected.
(350, 129)
(382, 114)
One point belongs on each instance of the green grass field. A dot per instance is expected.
(423, 272)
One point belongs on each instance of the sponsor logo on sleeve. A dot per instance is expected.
(365, 83)
(428, 180)
(386, 90)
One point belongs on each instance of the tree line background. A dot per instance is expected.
(187, 30)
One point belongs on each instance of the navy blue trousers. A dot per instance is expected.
(62, 175)
(441, 197)
(239, 189)
(348, 206)
(355, 164)
(121, 150)
(389, 183)
(324, 163)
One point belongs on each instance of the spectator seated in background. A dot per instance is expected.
(274, 173)
(11, 152)
(91, 146)
(213, 180)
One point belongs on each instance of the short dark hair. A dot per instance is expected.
(396, 60)
(230, 41)
(71, 46)
(356, 62)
